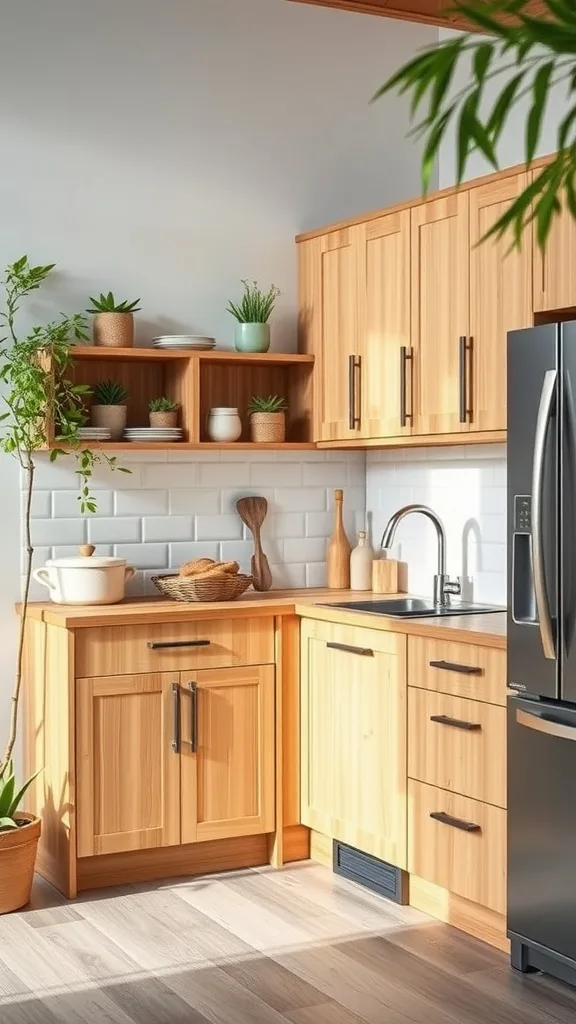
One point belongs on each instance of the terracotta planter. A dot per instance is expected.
(268, 427)
(164, 419)
(111, 416)
(17, 859)
(113, 330)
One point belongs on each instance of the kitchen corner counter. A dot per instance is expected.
(487, 630)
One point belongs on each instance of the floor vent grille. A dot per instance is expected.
(383, 878)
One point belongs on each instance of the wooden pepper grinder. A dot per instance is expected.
(338, 551)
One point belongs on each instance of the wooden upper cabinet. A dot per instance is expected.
(384, 324)
(128, 774)
(500, 301)
(227, 753)
(440, 260)
(554, 277)
(353, 737)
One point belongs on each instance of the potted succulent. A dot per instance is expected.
(109, 407)
(44, 409)
(267, 419)
(252, 313)
(113, 324)
(163, 412)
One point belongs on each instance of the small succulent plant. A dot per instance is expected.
(255, 306)
(108, 304)
(10, 797)
(272, 403)
(163, 405)
(109, 392)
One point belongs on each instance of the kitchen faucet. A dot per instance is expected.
(443, 586)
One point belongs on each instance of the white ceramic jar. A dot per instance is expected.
(85, 580)
(224, 424)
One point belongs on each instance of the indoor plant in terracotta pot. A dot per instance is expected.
(267, 419)
(44, 408)
(109, 407)
(252, 313)
(163, 412)
(113, 324)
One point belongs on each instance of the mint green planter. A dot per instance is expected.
(252, 337)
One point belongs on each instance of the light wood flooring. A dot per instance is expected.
(298, 946)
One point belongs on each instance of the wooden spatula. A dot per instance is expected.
(252, 511)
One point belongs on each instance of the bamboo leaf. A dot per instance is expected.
(540, 93)
(18, 797)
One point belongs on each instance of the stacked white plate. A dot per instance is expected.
(93, 434)
(143, 434)
(184, 341)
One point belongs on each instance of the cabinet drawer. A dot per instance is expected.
(457, 744)
(115, 650)
(465, 851)
(464, 670)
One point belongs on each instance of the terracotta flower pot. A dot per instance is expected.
(164, 419)
(113, 330)
(111, 416)
(268, 427)
(17, 859)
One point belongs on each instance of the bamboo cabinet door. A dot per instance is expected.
(128, 773)
(440, 261)
(353, 738)
(554, 278)
(384, 325)
(227, 753)
(341, 359)
(500, 301)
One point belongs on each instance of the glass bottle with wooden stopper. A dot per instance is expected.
(361, 564)
(338, 551)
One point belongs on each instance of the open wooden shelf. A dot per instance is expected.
(204, 446)
(199, 381)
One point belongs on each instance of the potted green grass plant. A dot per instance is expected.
(163, 412)
(267, 419)
(252, 313)
(113, 322)
(109, 407)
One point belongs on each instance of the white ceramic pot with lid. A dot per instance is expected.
(84, 579)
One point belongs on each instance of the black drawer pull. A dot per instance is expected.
(153, 645)
(447, 819)
(457, 723)
(364, 651)
(451, 666)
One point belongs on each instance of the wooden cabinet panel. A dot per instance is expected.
(384, 322)
(228, 780)
(554, 279)
(353, 737)
(337, 285)
(469, 860)
(464, 670)
(500, 301)
(440, 260)
(217, 643)
(458, 745)
(128, 774)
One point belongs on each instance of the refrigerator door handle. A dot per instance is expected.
(547, 724)
(542, 605)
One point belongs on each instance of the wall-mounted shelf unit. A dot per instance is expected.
(198, 381)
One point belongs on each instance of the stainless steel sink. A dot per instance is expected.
(415, 607)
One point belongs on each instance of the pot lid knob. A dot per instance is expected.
(86, 550)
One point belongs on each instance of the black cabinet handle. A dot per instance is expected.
(457, 723)
(451, 666)
(354, 363)
(153, 645)
(176, 718)
(364, 651)
(465, 405)
(193, 717)
(447, 819)
(405, 356)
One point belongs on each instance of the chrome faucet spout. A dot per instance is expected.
(442, 585)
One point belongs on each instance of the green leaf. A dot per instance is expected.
(7, 794)
(540, 93)
(502, 106)
(482, 61)
(6, 823)
(19, 796)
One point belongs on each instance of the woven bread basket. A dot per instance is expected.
(187, 588)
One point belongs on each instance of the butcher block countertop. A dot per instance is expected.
(488, 630)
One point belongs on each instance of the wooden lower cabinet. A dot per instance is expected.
(168, 758)
(353, 737)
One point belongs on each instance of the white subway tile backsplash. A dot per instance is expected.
(143, 556)
(181, 552)
(316, 574)
(311, 549)
(239, 551)
(284, 524)
(65, 503)
(41, 505)
(158, 528)
(141, 503)
(58, 531)
(230, 475)
(277, 474)
(223, 527)
(305, 499)
(287, 576)
(114, 531)
(319, 524)
(329, 474)
(194, 501)
(169, 475)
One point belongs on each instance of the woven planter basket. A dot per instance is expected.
(113, 330)
(268, 427)
(186, 588)
(164, 419)
(17, 859)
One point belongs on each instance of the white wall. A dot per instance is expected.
(466, 486)
(167, 148)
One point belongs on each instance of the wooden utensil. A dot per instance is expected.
(338, 551)
(252, 511)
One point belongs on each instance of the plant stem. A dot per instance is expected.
(15, 699)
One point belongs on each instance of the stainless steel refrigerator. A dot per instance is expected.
(542, 649)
